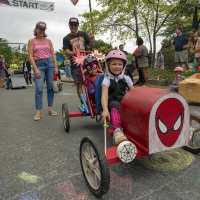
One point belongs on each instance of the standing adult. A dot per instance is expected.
(2, 71)
(142, 59)
(121, 48)
(27, 71)
(43, 59)
(160, 60)
(181, 53)
(68, 69)
(76, 40)
(194, 44)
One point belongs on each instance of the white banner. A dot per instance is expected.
(29, 4)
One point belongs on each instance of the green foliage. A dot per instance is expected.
(182, 18)
(103, 47)
(6, 50)
(164, 74)
(169, 58)
(125, 20)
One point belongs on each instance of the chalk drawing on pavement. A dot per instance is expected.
(28, 177)
(30, 196)
(66, 188)
(121, 183)
(51, 174)
(175, 159)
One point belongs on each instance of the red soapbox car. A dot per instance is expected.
(153, 120)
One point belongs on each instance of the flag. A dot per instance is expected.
(74, 2)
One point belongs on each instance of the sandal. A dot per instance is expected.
(53, 113)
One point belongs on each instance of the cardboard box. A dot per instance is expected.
(190, 88)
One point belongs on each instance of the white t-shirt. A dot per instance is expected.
(106, 80)
(25, 67)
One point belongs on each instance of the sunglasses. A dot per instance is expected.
(89, 68)
(74, 25)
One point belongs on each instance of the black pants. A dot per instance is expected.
(141, 77)
(28, 77)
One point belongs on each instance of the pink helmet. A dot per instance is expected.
(117, 54)
(178, 69)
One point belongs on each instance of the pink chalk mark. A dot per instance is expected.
(121, 183)
(82, 196)
(67, 190)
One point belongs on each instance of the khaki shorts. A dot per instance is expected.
(142, 65)
(181, 56)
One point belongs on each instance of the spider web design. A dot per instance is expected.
(168, 113)
(127, 153)
(139, 124)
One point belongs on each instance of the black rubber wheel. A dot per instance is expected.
(194, 143)
(65, 115)
(94, 166)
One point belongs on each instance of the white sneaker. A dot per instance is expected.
(30, 84)
(119, 136)
(71, 79)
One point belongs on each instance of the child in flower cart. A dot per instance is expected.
(179, 77)
(91, 63)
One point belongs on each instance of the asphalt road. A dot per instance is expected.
(40, 161)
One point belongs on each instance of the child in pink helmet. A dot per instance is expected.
(179, 77)
(114, 87)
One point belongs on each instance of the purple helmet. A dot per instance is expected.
(117, 54)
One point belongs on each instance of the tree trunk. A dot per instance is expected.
(154, 49)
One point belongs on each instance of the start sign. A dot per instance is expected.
(31, 4)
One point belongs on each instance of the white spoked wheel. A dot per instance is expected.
(194, 143)
(94, 166)
(65, 116)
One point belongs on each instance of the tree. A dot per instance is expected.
(124, 20)
(103, 47)
(6, 50)
(24, 51)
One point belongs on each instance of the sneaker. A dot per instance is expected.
(71, 79)
(119, 136)
(37, 117)
(53, 113)
(30, 84)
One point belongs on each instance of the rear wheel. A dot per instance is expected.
(194, 143)
(65, 116)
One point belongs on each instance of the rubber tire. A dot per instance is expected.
(194, 150)
(103, 164)
(66, 119)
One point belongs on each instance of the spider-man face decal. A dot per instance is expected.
(169, 121)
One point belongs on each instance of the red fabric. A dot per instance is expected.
(136, 51)
(55, 77)
(89, 84)
(90, 78)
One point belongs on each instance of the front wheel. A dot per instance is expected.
(94, 166)
(65, 116)
(194, 143)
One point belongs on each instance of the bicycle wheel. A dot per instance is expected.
(194, 143)
(65, 115)
(94, 166)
